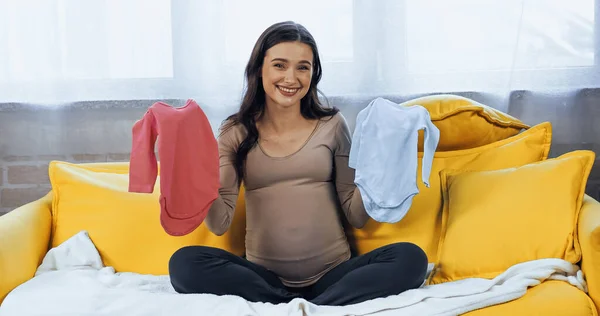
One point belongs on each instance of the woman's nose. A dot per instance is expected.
(290, 75)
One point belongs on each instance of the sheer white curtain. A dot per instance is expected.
(58, 51)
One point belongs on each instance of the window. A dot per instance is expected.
(475, 35)
(68, 50)
(330, 22)
(82, 40)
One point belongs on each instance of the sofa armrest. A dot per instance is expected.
(25, 239)
(589, 239)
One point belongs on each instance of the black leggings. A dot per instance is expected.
(385, 271)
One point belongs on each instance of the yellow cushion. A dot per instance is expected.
(422, 223)
(125, 227)
(118, 167)
(495, 219)
(465, 123)
(551, 298)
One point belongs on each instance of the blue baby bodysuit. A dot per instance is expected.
(384, 155)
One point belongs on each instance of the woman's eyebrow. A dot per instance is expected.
(285, 61)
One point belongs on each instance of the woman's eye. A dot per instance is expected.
(303, 68)
(278, 65)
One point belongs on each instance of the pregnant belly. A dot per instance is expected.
(299, 237)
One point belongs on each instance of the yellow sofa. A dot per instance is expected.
(94, 197)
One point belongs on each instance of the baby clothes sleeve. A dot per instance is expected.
(431, 140)
(143, 168)
(386, 157)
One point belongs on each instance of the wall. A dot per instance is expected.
(32, 135)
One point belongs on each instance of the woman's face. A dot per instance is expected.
(286, 73)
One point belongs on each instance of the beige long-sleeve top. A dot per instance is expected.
(294, 203)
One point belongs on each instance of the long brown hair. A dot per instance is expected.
(253, 102)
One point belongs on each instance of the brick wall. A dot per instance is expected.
(25, 178)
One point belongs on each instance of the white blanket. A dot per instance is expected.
(72, 281)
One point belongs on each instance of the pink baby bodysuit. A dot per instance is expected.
(189, 163)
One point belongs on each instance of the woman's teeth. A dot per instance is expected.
(287, 90)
